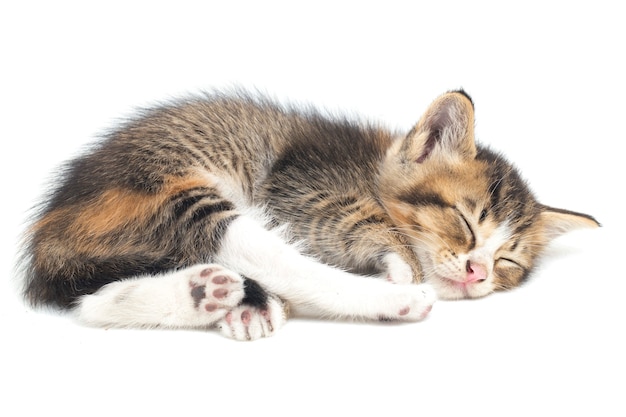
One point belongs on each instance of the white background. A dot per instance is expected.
(547, 79)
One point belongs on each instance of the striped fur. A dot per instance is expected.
(159, 194)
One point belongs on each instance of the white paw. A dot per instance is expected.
(251, 323)
(398, 271)
(413, 303)
(197, 296)
(213, 291)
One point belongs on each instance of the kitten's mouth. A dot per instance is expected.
(458, 285)
(452, 289)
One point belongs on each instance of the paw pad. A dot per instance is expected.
(214, 290)
(247, 322)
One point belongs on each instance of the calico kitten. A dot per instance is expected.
(217, 210)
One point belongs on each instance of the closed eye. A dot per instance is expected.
(469, 229)
(509, 262)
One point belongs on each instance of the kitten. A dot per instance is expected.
(219, 210)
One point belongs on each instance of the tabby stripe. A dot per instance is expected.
(249, 176)
(317, 197)
(209, 209)
(181, 206)
(185, 199)
(418, 198)
(189, 191)
(174, 154)
(371, 220)
(348, 205)
(345, 202)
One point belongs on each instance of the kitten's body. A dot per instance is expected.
(129, 234)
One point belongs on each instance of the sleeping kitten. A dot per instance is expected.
(219, 210)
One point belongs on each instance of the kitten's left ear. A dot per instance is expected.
(447, 128)
(556, 222)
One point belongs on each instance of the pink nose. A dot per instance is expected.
(475, 272)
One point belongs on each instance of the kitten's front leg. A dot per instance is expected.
(397, 270)
(314, 288)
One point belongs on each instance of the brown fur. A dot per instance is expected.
(158, 193)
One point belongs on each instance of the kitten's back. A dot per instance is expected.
(134, 202)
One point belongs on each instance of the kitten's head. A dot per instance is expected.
(475, 225)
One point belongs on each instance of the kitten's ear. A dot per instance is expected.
(447, 128)
(556, 222)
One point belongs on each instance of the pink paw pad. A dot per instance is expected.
(246, 317)
(404, 311)
(213, 288)
(220, 293)
(220, 280)
(426, 311)
(206, 272)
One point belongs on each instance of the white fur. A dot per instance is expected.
(261, 323)
(163, 300)
(313, 288)
(398, 271)
(446, 276)
(485, 251)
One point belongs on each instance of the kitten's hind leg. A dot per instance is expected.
(251, 322)
(197, 296)
(260, 314)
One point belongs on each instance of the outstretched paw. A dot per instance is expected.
(213, 291)
(414, 304)
(398, 271)
(247, 322)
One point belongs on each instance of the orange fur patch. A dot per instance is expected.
(81, 227)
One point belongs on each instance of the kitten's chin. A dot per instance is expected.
(450, 289)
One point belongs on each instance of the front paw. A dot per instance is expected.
(397, 270)
(411, 303)
(250, 322)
